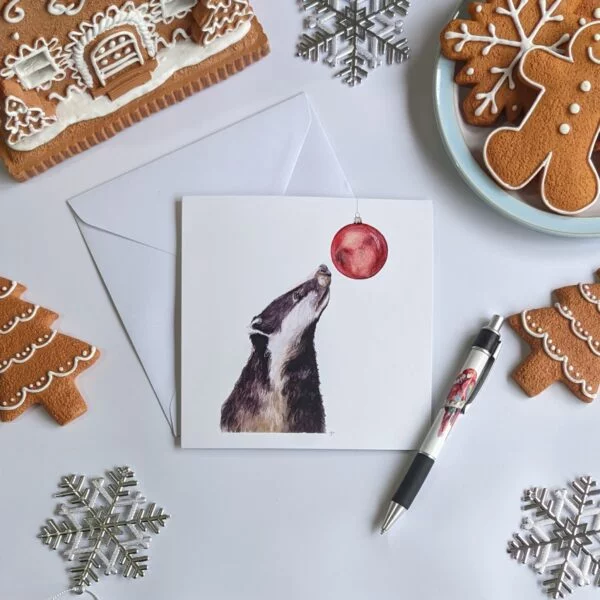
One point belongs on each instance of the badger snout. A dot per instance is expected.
(323, 276)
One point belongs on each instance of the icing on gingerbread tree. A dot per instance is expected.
(38, 365)
(565, 343)
(492, 44)
(23, 121)
(215, 18)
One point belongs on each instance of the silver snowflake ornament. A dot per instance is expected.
(354, 36)
(105, 525)
(561, 536)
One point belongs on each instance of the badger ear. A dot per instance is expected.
(256, 328)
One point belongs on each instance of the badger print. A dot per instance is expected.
(279, 388)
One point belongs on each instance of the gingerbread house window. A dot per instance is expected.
(115, 54)
(172, 8)
(36, 69)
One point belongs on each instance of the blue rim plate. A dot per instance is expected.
(482, 184)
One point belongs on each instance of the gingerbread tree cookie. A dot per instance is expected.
(38, 365)
(491, 44)
(215, 18)
(565, 342)
(558, 135)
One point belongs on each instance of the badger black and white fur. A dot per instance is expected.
(279, 388)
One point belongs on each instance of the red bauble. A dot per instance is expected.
(359, 251)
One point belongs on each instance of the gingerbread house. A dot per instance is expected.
(75, 72)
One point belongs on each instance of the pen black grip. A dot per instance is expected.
(413, 480)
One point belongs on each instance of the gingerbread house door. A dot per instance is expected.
(119, 64)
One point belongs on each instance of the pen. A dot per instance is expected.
(467, 384)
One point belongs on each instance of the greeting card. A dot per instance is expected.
(305, 322)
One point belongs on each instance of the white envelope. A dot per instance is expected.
(130, 223)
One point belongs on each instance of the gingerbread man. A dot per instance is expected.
(558, 134)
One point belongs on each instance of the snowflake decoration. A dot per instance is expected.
(563, 536)
(356, 34)
(104, 526)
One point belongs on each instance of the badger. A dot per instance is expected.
(279, 388)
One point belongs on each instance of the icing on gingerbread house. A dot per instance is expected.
(75, 72)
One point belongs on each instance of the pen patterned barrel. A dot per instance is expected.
(456, 401)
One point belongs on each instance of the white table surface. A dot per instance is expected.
(293, 524)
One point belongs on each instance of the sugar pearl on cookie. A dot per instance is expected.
(479, 8)
(574, 108)
(582, 21)
(597, 13)
(597, 37)
(564, 128)
(470, 71)
(585, 86)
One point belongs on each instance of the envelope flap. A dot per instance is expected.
(254, 156)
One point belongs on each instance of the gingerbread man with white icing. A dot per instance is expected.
(557, 136)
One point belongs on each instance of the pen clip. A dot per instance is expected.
(484, 373)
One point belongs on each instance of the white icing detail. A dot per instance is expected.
(58, 8)
(597, 37)
(114, 17)
(21, 358)
(108, 62)
(564, 128)
(15, 36)
(578, 330)
(585, 86)
(590, 53)
(582, 21)
(51, 375)
(524, 43)
(584, 290)
(567, 368)
(70, 90)
(169, 10)
(5, 292)
(8, 327)
(23, 121)
(478, 8)
(574, 108)
(470, 71)
(82, 107)
(225, 16)
(37, 66)
(597, 13)
(13, 13)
